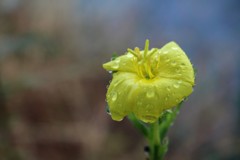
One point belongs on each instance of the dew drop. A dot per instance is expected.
(139, 103)
(167, 60)
(150, 93)
(129, 55)
(173, 63)
(148, 108)
(116, 116)
(114, 96)
(117, 60)
(182, 65)
(108, 111)
(178, 100)
(165, 52)
(179, 82)
(174, 48)
(168, 88)
(115, 66)
(176, 85)
(178, 70)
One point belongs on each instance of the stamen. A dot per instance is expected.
(132, 52)
(137, 50)
(151, 53)
(146, 48)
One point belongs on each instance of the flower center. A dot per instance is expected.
(144, 67)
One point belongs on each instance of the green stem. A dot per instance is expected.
(155, 142)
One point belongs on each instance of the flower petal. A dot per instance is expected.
(145, 98)
(118, 97)
(174, 64)
(151, 97)
(126, 63)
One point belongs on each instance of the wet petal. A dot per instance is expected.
(125, 63)
(174, 63)
(118, 97)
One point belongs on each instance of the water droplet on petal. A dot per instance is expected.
(108, 111)
(165, 52)
(150, 93)
(173, 63)
(148, 108)
(114, 96)
(176, 85)
(179, 82)
(116, 116)
(174, 48)
(117, 60)
(167, 60)
(182, 65)
(139, 103)
(178, 70)
(129, 55)
(168, 88)
(115, 65)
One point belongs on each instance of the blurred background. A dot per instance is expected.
(52, 84)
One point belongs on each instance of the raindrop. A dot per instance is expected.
(179, 82)
(173, 63)
(116, 116)
(129, 55)
(178, 70)
(178, 100)
(148, 108)
(150, 94)
(174, 48)
(139, 103)
(115, 66)
(108, 110)
(114, 96)
(165, 52)
(117, 60)
(176, 85)
(168, 88)
(182, 65)
(167, 60)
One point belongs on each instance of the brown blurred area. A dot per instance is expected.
(52, 85)
(53, 88)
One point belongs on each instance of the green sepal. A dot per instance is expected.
(143, 128)
(167, 120)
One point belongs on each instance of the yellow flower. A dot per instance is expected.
(148, 82)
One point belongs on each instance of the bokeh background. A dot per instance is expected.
(52, 85)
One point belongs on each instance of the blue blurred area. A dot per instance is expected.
(47, 46)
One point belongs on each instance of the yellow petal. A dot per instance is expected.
(118, 97)
(126, 63)
(174, 64)
(147, 99)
